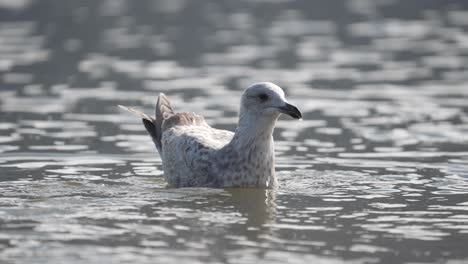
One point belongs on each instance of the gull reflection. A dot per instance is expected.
(257, 206)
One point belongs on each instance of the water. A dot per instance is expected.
(376, 173)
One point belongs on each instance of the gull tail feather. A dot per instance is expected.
(163, 107)
(149, 123)
(136, 113)
(154, 125)
(163, 112)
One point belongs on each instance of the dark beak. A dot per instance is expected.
(290, 110)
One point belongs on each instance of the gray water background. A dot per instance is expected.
(377, 172)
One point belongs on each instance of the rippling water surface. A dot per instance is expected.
(377, 172)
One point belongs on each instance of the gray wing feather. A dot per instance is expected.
(136, 112)
(165, 117)
(148, 122)
(163, 112)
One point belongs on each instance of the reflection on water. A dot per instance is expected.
(375, 173)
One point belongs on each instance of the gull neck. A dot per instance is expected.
(254, 128)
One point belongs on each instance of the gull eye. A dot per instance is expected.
(263, 97)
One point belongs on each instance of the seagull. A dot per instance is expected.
(195, 154)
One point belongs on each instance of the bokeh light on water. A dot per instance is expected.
(377, 172)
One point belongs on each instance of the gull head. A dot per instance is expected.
(267, 99)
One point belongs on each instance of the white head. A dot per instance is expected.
(267, 99)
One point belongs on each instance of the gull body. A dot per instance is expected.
(196, 155)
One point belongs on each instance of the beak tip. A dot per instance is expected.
(292, 111)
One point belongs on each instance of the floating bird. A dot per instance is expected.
(196, 155)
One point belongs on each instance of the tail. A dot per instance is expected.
(163, 111)
(154, 125)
